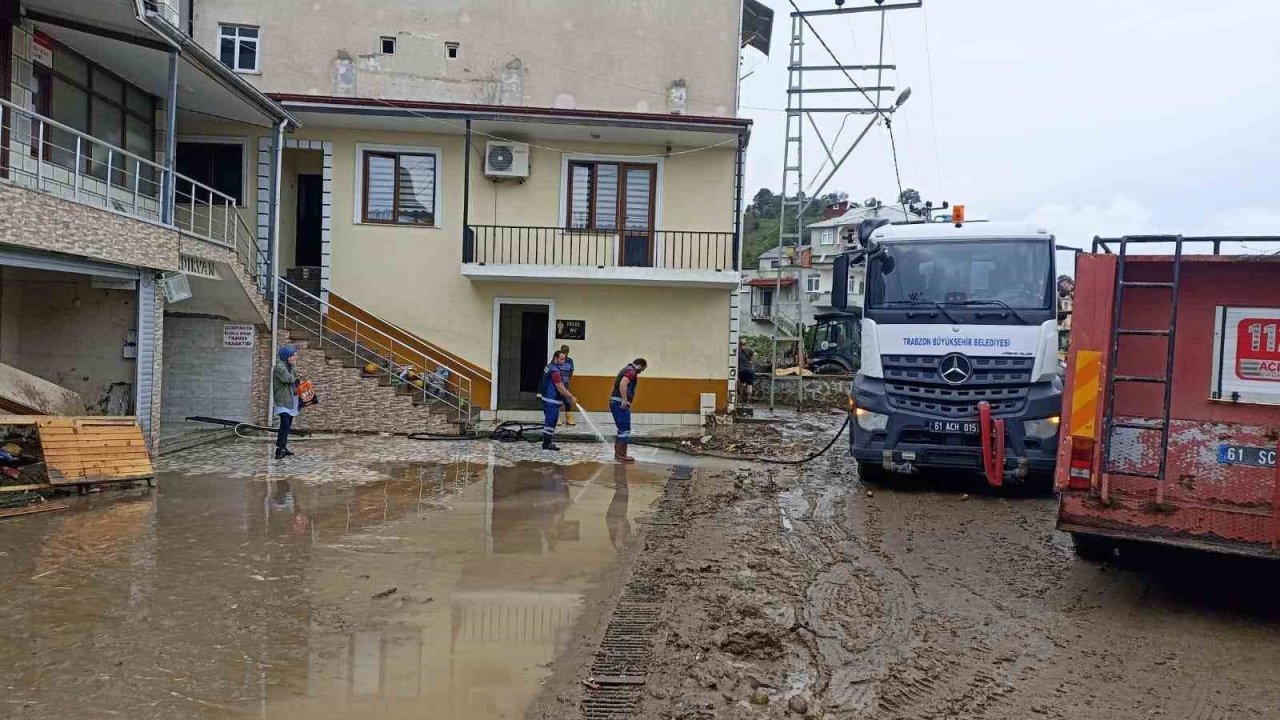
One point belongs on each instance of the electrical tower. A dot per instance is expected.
(835, 81)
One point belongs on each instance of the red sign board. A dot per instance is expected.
(42, 49)
(1258, 349)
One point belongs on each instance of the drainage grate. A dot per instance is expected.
(627, 646)
(626, 651)
(608, 702)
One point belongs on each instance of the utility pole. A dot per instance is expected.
(795, 200)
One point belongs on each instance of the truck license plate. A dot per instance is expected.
(1244, 455)
(954, 426)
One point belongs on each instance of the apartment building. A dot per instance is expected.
(106, 208)
(474, 184)
(794, 285)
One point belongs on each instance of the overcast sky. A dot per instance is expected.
(1090, 116)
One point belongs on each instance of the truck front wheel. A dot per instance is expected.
(1094, 547)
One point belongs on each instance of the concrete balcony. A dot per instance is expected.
(631, 257)
(69, 192)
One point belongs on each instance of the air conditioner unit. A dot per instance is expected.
(176, 287)
(506, 160)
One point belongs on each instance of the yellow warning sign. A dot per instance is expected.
(1085, 389)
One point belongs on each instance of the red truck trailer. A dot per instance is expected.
(1171, 407)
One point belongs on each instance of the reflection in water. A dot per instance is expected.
(616, 516)
(441, 591)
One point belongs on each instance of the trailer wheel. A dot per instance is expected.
(872, 473)
(1094, 547)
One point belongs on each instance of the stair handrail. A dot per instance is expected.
(460, 400)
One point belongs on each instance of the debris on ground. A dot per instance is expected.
(798, 592)
(808, 433)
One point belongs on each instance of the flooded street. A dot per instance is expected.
(352, 583)
(383, 578)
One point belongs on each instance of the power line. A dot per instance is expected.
(906, 119)
(844, 122)
(827, 47)
(894, 146)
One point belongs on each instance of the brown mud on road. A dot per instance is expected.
(785, 592)
(352, 584)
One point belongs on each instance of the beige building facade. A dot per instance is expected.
(615, 231)
(657, 56)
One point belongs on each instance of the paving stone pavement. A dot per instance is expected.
(356, 458)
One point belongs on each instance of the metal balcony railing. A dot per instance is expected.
(425, 377)
(42, 154)
(556, 246)
(762, 312)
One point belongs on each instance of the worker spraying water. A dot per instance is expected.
(624, 393)
(554, 395)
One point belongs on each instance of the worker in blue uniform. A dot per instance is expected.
(554, 395)
(566, 372)
(624, 393)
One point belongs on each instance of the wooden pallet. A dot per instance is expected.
(90, 450)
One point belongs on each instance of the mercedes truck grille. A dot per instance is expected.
(912, 383)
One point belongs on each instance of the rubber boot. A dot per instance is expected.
(568, 418)
(548, 445)
(620, 453)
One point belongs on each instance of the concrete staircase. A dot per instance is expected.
(353, 400)
(356, 366)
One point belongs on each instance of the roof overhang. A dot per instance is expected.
(135, 44)
(771, 282)
(516, 122)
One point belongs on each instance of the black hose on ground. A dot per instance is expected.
(514, 431)
(510, 431)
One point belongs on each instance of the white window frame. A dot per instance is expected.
(234, 34)
(827, 236)
(243, 142)
(813, 283)
(382, 40)
(357, 214)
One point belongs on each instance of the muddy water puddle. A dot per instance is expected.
(436, 590)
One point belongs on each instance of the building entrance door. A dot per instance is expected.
(310, 220)
(523, 352)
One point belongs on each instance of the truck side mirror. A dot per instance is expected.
(840, 282)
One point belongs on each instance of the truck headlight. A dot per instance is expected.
(868, 420)
(1043, 428)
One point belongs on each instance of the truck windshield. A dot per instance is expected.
(1015, 273)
